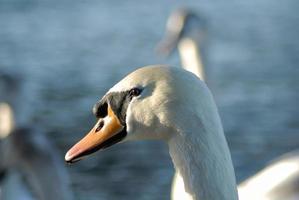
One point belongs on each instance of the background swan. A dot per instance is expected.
(30, 166)
(172, 105)
(184, 30)
(184, 34)
(278, 180)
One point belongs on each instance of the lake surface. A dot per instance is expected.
(67, 54)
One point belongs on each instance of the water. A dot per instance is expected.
(66, 54)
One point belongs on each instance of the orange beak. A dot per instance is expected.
(106, 132)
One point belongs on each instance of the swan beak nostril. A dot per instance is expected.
(100, 125)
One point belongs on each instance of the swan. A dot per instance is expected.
(29, 164)
(279, 180)
(184, 30)
(262, 186)
(173, 105)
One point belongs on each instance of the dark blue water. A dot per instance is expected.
(66, 54)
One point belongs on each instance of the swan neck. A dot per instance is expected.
(6, 120)
(205, 166)
(191, 57)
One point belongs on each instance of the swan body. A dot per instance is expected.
(31, 167)
(279, 180)
(173, 105)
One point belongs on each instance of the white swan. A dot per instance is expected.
(278, 180)
(29, 164)
(173, 105)
(184, 30)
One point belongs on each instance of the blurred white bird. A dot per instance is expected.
(30, 166)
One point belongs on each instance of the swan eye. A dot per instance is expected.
(135, 92)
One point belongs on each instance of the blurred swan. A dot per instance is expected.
(278, 180)
(29, 164)
(184, 30)
(173, 105)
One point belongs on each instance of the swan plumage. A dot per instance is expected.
(173, 105)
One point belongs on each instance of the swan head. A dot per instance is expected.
(146, 104)
(182, 23)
